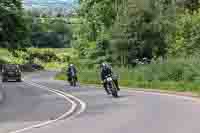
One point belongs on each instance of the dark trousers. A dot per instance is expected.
(70, 78)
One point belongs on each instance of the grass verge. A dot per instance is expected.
(169, 76)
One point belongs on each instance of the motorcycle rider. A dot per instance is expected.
(72, 72)
(106, 71)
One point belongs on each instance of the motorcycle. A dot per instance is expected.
(73, 81)
(111, 86)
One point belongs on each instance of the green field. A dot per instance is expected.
(62, 54)
(182, 75)
(174, 74)
(91, 77)
(4, 53)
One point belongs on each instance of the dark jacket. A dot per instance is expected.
(71, 71)
(105, 72)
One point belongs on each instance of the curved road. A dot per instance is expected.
(134, 112)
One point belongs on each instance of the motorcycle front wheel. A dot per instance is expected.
(114, 90)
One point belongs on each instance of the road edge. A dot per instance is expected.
(185, 94)
(1, 94)
(1, 97)
(151, 90)
(46, 123)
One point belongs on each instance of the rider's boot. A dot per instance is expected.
(117, 85)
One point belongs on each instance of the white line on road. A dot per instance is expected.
(1, 96)
(83, 104)
(166, 94)
(66, 114)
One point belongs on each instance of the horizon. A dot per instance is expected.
(47, 1)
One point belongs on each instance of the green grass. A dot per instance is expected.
(91, 78)
(4, 54)
(62, 53)
(56, 50)
(54, 65)
(182, 75)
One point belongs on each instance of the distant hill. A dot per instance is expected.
(64, 6)
(47, 2)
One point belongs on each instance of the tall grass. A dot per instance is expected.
(54, 65)
(63, 56)
(181, 74)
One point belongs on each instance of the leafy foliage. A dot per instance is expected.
(46, 33)
(12, 25)
(186, 38)
(124, 31)
(174, 74)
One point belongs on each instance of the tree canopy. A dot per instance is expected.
(13, 30)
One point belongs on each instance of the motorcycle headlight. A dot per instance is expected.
(109, 79)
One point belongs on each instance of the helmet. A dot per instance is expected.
(103, 65)
(71, 65)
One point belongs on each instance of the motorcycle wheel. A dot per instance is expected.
(115, 94)
(114, 91)
(71, 83)
(74, 82)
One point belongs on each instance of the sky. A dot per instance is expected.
(70, 1)
(39, 3)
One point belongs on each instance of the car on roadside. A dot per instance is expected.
(11, 72)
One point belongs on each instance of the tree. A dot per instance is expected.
(98, 15)
(13, 30)
(131, 29)
(47, 32)
(186, 39)
(192, 5)
(62, 29)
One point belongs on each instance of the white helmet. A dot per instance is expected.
(104, 65)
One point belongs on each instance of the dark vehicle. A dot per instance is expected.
(12, 72)
(111, 86)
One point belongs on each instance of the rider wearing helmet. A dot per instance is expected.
(71, 72)
(105, 71)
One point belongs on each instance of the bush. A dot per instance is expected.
(64, 57)
(171, 70)
(55, 65)
(45, 55)
(186, 38)
(173, 74)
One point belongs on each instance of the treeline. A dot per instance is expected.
(48, 32)
(12, 25)
(20, 28)
(121, 31)
(52, 12)
(116, 31)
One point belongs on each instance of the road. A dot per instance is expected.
(26, 105)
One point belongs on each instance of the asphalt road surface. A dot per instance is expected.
(30, 103)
